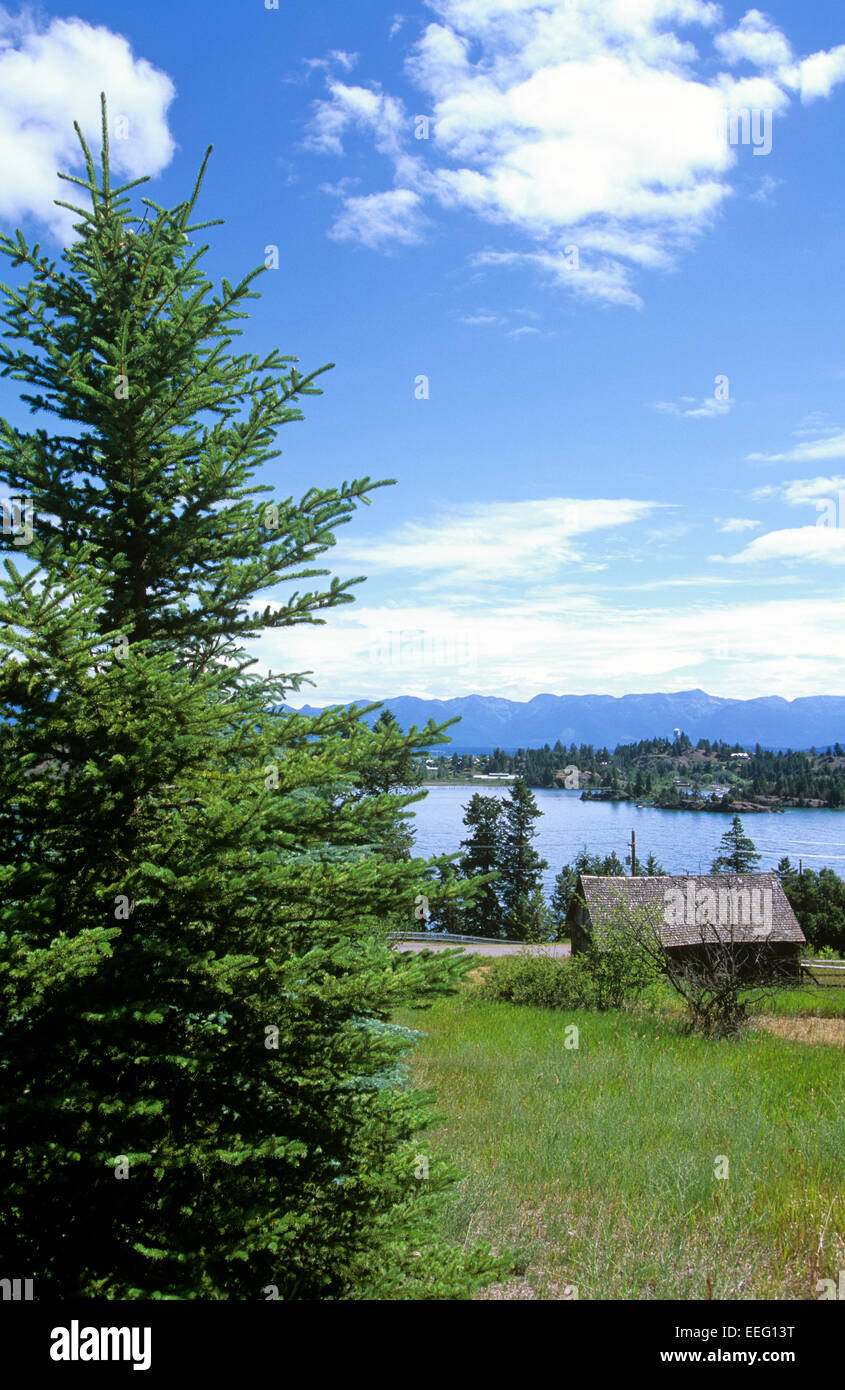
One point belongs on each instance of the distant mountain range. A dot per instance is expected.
(488, 721)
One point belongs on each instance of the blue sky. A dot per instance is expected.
(595, 337)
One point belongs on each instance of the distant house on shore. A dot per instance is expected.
(747, 912)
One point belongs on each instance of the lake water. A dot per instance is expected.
(684, 842)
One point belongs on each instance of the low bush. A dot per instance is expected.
(593, 980)
(549, 982)
(618, 974)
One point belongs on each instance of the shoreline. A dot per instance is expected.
(736, 808)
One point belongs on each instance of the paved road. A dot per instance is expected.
(484, 948)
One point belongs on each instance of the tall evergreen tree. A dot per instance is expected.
(198, 1090)
(482, 853)
(448, 915)
(562, 894)
(392, 767)
(521, 865)
(735, 853)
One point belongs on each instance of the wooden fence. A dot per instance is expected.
(833, 967)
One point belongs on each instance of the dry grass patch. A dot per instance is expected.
(807, 1030)
(477, 975)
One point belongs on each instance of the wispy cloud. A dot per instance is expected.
(337, 58)
(490, 543)
(802, 491)
(381, 219)
(764, 191)
(824, 544)
(830, 447)
(816, 424)
(381, 116)
(693, 409)
(736, 523)
(607, 281)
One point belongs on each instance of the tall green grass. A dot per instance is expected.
(600, 1161)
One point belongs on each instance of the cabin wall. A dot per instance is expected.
(578, 924)
(778, 961)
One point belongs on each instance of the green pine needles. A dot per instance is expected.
(202, 1092)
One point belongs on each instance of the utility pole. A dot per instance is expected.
(800, 867)
(633, 849)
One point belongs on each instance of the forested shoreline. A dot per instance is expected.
(672, 774)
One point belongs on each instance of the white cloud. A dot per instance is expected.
(755, 40)
(822, 543)
(733, 524)
(383, 117)
(642, 248)
(803, 490)
(817, 75)
(380, 218)
(822, 492)
(595, 123)
(52, 74)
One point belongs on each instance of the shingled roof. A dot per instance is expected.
(686, 902)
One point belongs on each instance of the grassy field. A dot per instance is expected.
(808, 1001)
(599, 1162)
